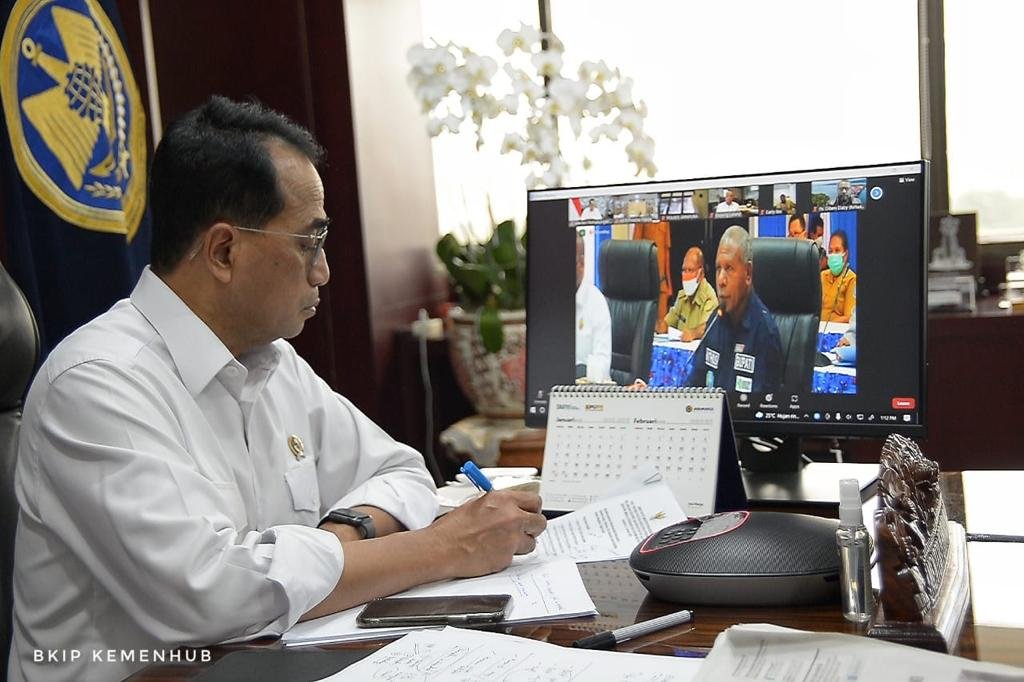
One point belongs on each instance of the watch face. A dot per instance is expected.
(354, 518)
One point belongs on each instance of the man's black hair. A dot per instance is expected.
(213, 164)
(814, 221)
(797, 218)
(842, 237)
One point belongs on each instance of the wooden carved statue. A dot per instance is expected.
(923, 590)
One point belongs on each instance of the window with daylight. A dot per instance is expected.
(730, 88)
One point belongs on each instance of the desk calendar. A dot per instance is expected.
(599, 434)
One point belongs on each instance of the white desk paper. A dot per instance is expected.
(540, 590)
(610, 528)
(985, 493)
(769, 652)
(456, 655)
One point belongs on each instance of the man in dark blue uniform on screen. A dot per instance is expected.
(741, 350)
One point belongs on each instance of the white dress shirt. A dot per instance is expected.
(593, 332)
(162, 502)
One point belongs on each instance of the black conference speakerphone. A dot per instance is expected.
(742, 558)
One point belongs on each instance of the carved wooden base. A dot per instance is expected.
(940, 630)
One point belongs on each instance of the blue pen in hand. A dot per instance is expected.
(474, 474)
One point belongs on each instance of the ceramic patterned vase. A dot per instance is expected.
(494, 382)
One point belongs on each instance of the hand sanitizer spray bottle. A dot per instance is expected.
(854, 555)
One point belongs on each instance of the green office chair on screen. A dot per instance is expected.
(19, 350)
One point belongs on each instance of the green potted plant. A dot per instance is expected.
(489, 277)
(487, 333)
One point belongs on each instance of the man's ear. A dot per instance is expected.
(220, 250)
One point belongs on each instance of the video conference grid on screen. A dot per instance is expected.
(820, 335)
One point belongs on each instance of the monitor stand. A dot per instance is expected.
(775, 475)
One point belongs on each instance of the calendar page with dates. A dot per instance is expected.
(598, 435)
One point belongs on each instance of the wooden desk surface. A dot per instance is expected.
(621, 600)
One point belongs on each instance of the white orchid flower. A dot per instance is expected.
(512, 143)
(481, 69)
(436, 60)
(567, 94)
(510, 104)
(608, 130)
(459, 79)
(523, 40)
(547, 62)
(631, 120)
(623, 94)
(597, 72)
(452, 122)
(641, 151)
(454, 86)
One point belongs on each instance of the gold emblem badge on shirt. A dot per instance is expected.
(581, 324)
(296, 446)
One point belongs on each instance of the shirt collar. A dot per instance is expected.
(196, 351)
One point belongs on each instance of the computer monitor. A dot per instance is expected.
(811, 312)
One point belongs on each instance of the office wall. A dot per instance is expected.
(395, 171)
(337, 68)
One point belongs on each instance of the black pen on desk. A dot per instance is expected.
(609, 638)
(993, 537)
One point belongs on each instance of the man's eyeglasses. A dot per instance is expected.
(312, 244)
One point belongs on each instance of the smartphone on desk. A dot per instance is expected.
(453, 610)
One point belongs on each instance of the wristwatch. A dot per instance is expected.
(351, 517)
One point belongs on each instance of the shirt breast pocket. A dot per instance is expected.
(303, 485)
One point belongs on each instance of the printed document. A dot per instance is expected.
(769, 652)
(611, 527)
(540, 590)
(458, 655)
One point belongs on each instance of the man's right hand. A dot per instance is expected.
(484, 534)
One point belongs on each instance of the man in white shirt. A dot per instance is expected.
(184, 477)
(591, 212)
(593, 325)
(729, 204)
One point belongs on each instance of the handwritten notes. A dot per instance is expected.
(470, 655)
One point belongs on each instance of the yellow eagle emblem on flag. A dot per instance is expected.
(74, 113)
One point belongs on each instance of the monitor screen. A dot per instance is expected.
(801, 293)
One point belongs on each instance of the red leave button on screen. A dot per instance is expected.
(904, 403)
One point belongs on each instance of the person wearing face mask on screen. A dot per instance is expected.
(696, 300)
(838, 282)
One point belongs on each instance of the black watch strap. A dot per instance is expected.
(352, 517)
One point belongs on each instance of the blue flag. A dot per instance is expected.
(73, 160)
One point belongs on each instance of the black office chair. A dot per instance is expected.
(788, 280)
(631, 284)
(19, 349)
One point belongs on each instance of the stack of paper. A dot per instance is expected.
(470, 655)
(540, 590)
(769, 652)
